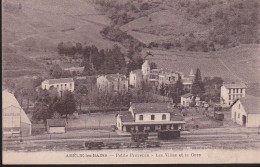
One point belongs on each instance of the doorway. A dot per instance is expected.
(141, 128)
(244, 120)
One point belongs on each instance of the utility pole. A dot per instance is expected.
(177, 96)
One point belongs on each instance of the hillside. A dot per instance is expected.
(34, 28)
(187, 25)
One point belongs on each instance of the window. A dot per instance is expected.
(65, 85)
(229, 90)
(57, 86)
(238, 115)
(237, 90)
(152, 117)
(141, 117)
(233, 90)
(163, 117)
(70, 86)
(241, 91)
(229, 97)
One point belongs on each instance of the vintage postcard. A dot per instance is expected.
(130, 81)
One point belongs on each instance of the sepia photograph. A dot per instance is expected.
(130, 81)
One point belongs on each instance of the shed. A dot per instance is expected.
(56, 125)
(246, 111)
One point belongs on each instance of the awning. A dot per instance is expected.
(153, 122)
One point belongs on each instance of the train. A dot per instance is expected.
(138, 140)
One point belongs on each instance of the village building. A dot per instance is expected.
(230, 92)
(168, 77)
(188, 98)
(135, 78)
(15, 120)
(149, 117)
(112, 83)
(158, 77)
(187, 84)
(56, 126)
(60, 84)
(246, 111)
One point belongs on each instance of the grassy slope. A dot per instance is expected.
(36, 30)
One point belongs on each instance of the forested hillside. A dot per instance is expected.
(184, 25)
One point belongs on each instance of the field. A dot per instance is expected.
(238, 64)
(36, 29)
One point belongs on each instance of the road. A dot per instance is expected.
(206, 141)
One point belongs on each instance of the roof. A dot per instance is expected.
(138, 71)
(251, 104)
(113, 77)
(151, 108)
(56, 122)
(58, 81)
(127, 117)
(186, 81)
(235, 85)
(9, 100)
(187, 95)
(176, 117)
(146, 63)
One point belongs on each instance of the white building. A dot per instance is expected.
(15, 120)
(187, 99)
(230, 92)
(149, 117)
(113, 83)
(136, 78)
(168, 77)
(246, 111)
(146, 70)
(60, 84)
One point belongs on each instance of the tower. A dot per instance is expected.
(146, 69)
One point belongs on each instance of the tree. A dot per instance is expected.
(197, 85)
(153, 65)
(176, 91)
(66, 104)
(55, 71)
(212, 88)
(41, 112)
(81, 90)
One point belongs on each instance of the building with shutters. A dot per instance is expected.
(149, 117)
(60, 84)
(231, 92)
(112, 83)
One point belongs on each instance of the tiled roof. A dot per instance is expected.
(235, 85)
(151, 108)
(127, 116)
(60, 80)
(56, 122)
(251, 104)
(187, 95)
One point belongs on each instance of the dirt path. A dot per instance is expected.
(235, 75)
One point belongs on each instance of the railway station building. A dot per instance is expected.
(149, 117)
(15, 120)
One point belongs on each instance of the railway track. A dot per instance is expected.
(183, 142)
